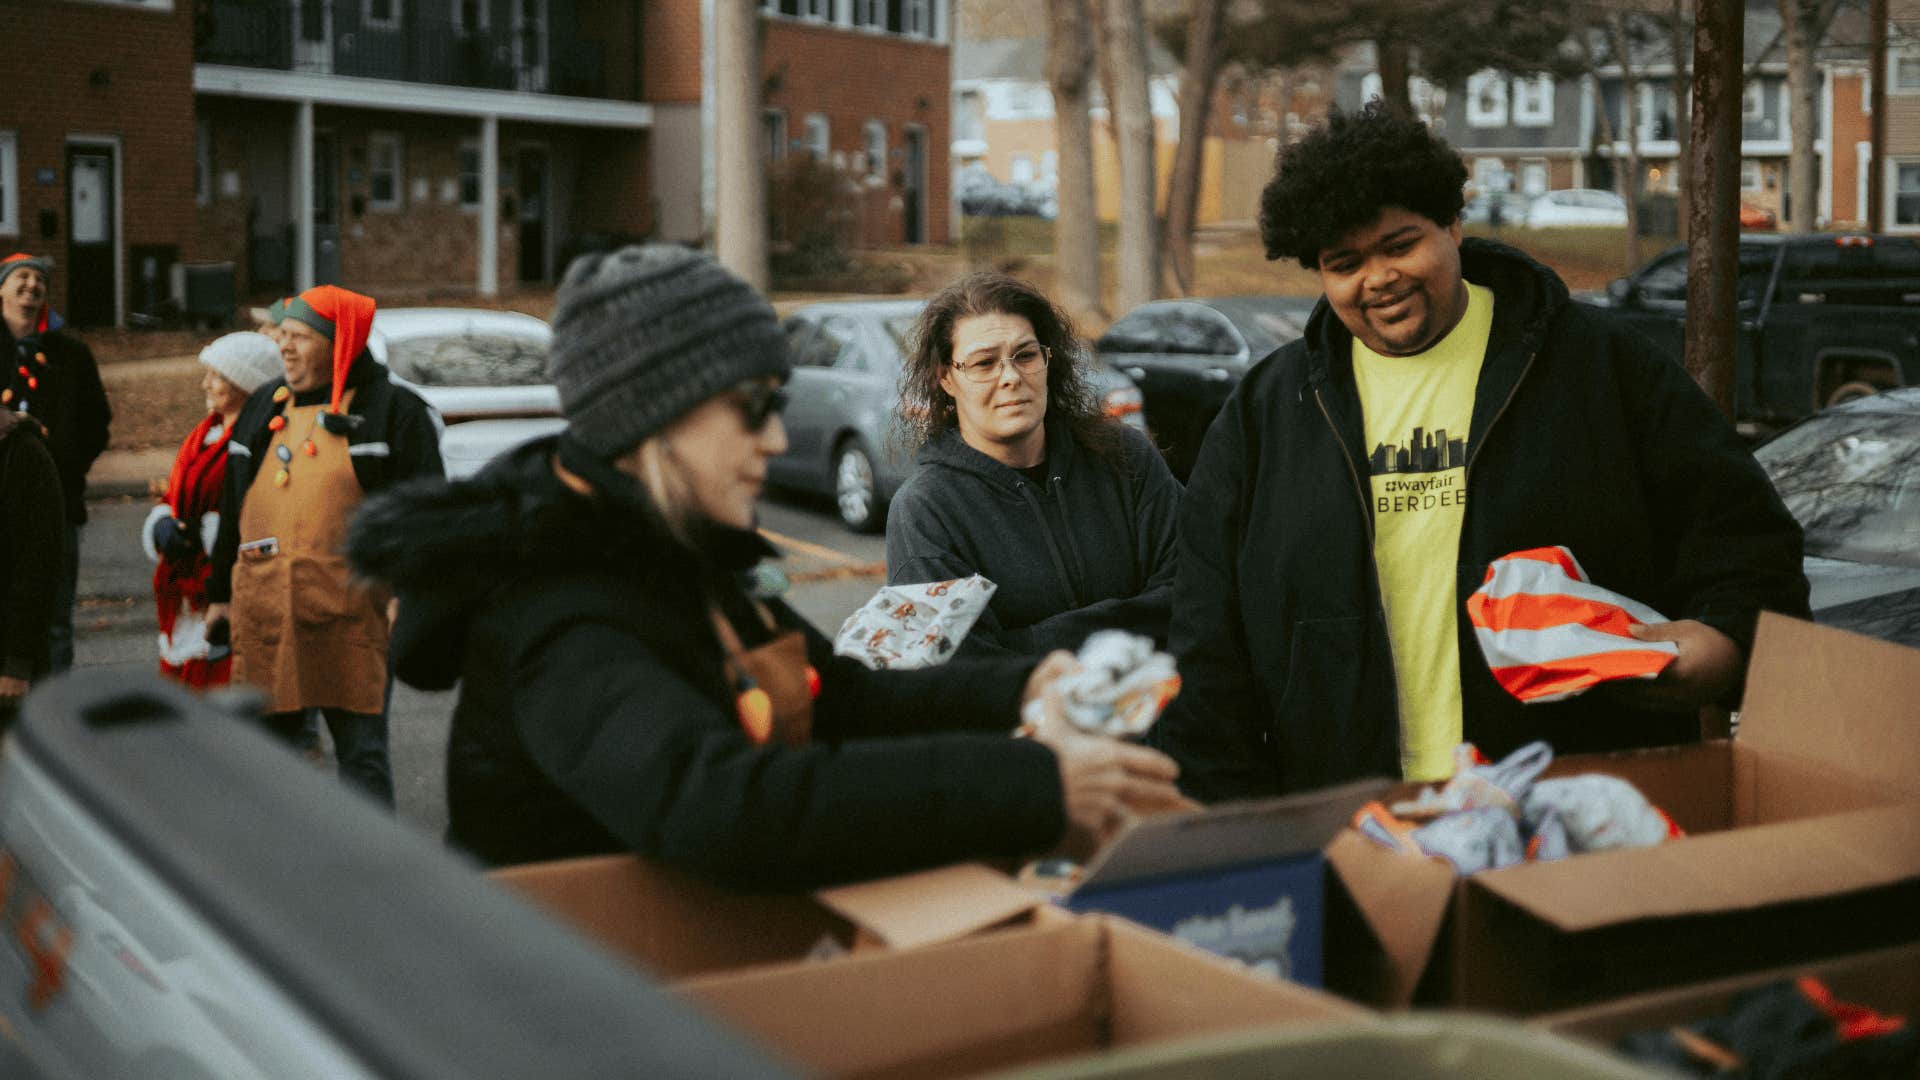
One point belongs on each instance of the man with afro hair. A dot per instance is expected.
(1448, 405)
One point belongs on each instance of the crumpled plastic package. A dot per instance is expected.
(1121, 687)
(914, 626)
(1495, 815)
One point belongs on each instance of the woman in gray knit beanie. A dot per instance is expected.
(630, 680)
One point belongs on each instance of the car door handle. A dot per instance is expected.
(1135, 373)
(1216, 374)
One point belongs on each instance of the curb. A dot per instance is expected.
(118, 489)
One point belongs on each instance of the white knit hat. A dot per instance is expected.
(246, 359)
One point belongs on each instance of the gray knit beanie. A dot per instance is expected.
(644, 334)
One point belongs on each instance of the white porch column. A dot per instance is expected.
(489, 277)
(303, 273)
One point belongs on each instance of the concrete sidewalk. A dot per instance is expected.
(130, 473)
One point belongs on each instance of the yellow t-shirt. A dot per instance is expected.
(1417, 411)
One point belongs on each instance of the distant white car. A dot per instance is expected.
(1576, 206)
(468, 363)
(464, 448)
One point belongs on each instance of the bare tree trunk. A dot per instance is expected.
(1076, 230)
(1680, 38)
(1198, 82)
(1394, 59)
(740, 233)
(1713, 256)
(1797, 18)
(1131, 112)
(1628, 183)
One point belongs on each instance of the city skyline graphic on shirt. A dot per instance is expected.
(1423, 452)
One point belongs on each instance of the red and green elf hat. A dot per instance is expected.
(345, 318)
(20, 260)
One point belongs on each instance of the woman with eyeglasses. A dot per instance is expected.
(1021, 477)
(630, 680)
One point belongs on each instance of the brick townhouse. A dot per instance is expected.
(96, 148)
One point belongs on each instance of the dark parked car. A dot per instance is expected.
(1851, 475)
(1188, 355)
(1823, 319)
(841, 436)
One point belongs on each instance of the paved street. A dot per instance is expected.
(834, 571)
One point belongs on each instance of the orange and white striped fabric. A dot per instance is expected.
(1549, 633)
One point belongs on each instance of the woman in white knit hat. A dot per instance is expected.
(179, 533)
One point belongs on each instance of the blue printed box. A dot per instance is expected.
(1244, 880)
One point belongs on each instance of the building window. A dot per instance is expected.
(774, 126)
(203, 162)
(9, 184)
(470, 174)
(384, 177)
(1533, 101)
(870, 13)
(1906, 75)
(917, 18)
(469, 16)
(1490, 174)
(969, 117)
(1750, 176)
(380, 14)
(814, 132)
(1487, 99)
(876, 148)
(1906, 193)
(1753, 103)
(1050, 165)
(1021, 169)
(817, 10)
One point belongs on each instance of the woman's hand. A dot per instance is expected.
(1105, 782)
(1053, 665)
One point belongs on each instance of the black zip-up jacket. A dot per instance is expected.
(32, 519)
(394, 435)
(1584, 434)
(1092, 549)
(596, 714)
(70, 403)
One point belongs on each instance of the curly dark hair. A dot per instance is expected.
(1345, 172)
(926, 410)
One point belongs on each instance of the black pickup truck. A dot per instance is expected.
(1824, 318)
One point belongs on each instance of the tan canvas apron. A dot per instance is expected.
(778, 670)
(303, 630)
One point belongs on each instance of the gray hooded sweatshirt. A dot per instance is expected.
(1091, 549)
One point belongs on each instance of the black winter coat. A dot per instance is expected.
(1091, 550)
(394, 436)
(32, 521)
(595, 714)
(70, 403)
(1584, 434)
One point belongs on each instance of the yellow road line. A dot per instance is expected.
(815, 550)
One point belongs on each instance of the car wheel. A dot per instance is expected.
(856, 493)
(1848, 391)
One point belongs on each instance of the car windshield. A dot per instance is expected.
(470, 359)
(900, 330)
(1852, 478)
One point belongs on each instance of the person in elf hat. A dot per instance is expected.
(305, 450)
(629, 677)
(51, 376)
(180, 531)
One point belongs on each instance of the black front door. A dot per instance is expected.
(326, 210)
(91, 239)
(915, 196)
(531, 180)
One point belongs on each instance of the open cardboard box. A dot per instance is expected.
(1245, 880)
(1000, 1000)
(677, 925)
(1885, 980)
(1803, 841)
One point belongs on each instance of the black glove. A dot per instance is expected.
(173, 539)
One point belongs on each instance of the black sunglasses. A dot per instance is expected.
(759, 402)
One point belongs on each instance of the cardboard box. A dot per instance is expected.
(1804, 841)
(1886, 980)
(1000, 1000)
(1244, 880)
(677, 925)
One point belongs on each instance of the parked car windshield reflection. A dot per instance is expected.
(1852, 478)
(469, 360)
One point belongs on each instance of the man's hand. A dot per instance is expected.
(1702, 674)
(1055, 664)
(1105, 783)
